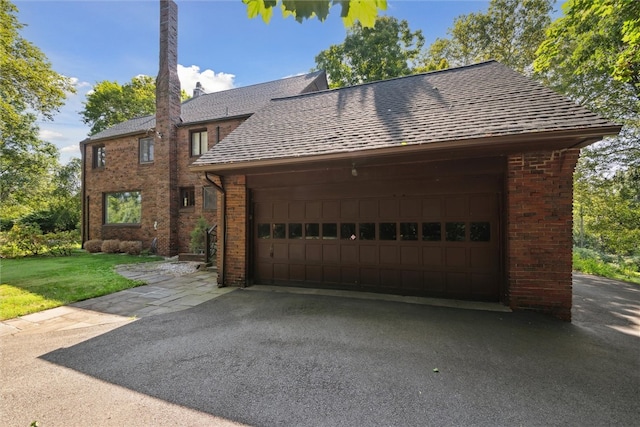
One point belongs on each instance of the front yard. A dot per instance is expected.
(32, 284)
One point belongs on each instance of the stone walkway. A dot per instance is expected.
(170, 286)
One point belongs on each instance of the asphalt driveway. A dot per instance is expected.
(272, 358)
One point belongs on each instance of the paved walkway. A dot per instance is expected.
(166, 290)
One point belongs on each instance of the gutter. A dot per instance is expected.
(222, 228)
(509, 143)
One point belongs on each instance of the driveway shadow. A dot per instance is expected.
(266, 358)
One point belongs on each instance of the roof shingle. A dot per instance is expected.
(236, 102)
(477, 101)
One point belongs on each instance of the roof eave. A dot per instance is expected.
(506, 144)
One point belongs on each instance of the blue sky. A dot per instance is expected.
(92, 41)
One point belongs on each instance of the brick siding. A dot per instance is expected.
(539, 231)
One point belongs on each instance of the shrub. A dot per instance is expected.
(111, 246)
(93, 246)
(131, 247)
(62, 243)
(6, 224)
(28, 239)
(198, 234)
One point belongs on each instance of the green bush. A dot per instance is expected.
(28, 240)
(198, 236)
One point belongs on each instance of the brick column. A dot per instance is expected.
(235, 257)
(539, 227)
(168, 110)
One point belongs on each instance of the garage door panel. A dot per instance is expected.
(432, 256)
(432, 208)
(313, 273)
(313, 253)
(368, 254)
(280, 271)
(389, 278)
(369, 276)
(349, 209)
(280, 209)
(331, 209)
(481, 257)
(388, 208)
(484, 285)
(330, 253)
(456, 207)
(434, 282)
(280, 251)
(349, 254)
(410, 255)
(264, 210)
(296, 211)
(368, 209)
(439, 244)
(264, 271)
(388, 254)
(456, 257)
(331, 274)
(410, 208)
(458, 284)
(349, 275)
(412, 279)
(313, 211)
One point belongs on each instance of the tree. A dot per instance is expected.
(110, 103)
(352, 11)
(510, 32)
(26, 78)
(592, 55)
(28, 88)
(389, 49)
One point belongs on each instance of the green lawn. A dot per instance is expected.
(32, 284)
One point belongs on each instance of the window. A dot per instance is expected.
(279, 231)
(387, 231)
(199, 143)
(295, 231)
(187, 197)
(431, 232)
(99, 157)
(264, 231)
(480, 232)
(146, 150)
(368, 231)
(408, 231)
(123, 208)
(455, 231)
(209, 197)
(312, 231)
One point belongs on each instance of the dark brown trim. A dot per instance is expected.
(488, 146)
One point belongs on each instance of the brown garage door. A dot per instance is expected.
(443, 245)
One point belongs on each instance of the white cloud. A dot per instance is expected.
(50, 135)
(71, 149)
(210, 81)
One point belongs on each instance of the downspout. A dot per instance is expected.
(222, 229)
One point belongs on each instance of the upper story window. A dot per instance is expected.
(99, 157)
(209, 197)
(146, 150)
(187, 197)
(199, 143)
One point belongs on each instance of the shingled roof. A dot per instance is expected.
(236, 102)
(466, 103)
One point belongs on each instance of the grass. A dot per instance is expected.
(589, 262)
(32, 284)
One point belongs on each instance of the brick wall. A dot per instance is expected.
(235, 259)
(539, 229)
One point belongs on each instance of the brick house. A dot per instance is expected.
(453, 184)
(136, 184)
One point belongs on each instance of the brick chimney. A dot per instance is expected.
(167, 117)
(198, 90)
